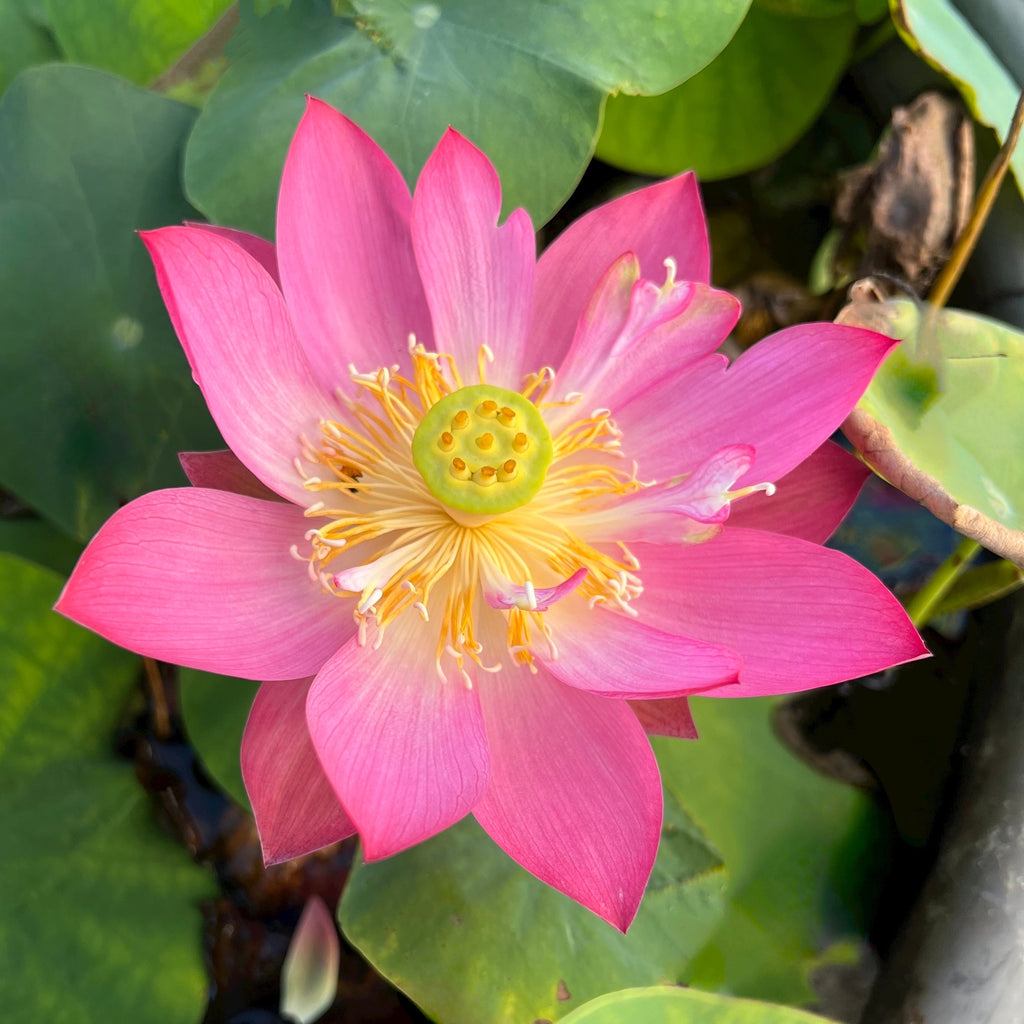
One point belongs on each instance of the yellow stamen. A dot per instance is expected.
(380, 522)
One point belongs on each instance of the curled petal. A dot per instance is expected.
(503, 593)
(692, 510)
(660, 221)
(369, 578)
(206, 579)
(478, 276)
(295, 808)
(802, 616)
(403, 749)
(575, 794)
(634, 331)
(603, 320)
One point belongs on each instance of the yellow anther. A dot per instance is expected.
(485, 475)
(506, 416)
(520, 442)
(446, 442)
(460, 470)
(487, 408)
(485, 442)
(460, 420)
(507, 471)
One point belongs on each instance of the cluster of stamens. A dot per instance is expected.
(439, 480)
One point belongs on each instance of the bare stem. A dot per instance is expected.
(158, 699)
(207, 47)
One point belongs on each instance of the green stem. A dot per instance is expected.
(922, 605)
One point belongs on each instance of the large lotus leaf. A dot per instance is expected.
(23, 42)
(683, 1006)
(980, 45)
(95, 392)
(748, 106)
(803, 852)
(472, 937)
(37, 541)
(943, 418)
(136, 38)
(525, 81)
(100, 919)
(215, 709)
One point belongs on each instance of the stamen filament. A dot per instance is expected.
(422, 557)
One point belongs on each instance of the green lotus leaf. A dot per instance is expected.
(101, 918)
(746, 108)
(524, 81)
(683, 1006)
(943, 417)
(135, 38)
(980, 46)
(96, 397)
(471, 936)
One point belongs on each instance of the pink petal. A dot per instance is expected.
(784, 396)
(635, 331)
(691, 510)
(478, 276)
(660, 221)
(575, 795)
(404, 750)
(612, 655)
(668, 717)
(601, 321)
(223, 471)
(295, 808)
(810, 501)
(503, 593)
(347, 265)
(366, 576)
(259, 248)
(205, 579)
(801, 615)
(234, 327)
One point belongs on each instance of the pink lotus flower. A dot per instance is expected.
(502, 551)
